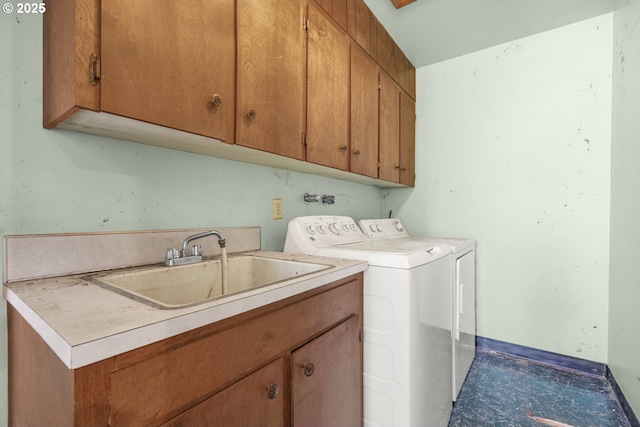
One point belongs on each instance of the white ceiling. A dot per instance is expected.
(430, 31)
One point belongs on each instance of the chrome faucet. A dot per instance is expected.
(193, 255)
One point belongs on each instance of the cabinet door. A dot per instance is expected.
(271, 76)
(389, 129)
(327, 91)
(407, 139)
(170, 63)
(361, 32)
(256, 400)
(364, 113)
(326, 379)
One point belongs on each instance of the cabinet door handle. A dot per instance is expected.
(251, 114)
(308, 370)
(216, 100)
(343, 148)
(356, 153)
(274, 389)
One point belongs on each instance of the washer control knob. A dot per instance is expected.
(378, 228)
(398, 226)
(321, 229)
(373, 227)
(333, 227)
(345, 227)
(311, 230)
(353, 227)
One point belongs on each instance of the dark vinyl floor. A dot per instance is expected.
(504, 391)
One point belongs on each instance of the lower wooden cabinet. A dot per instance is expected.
(256, 400)
(295, 362)
(325, 391)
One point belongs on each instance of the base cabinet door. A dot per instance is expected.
(326, 379)
(256, 400)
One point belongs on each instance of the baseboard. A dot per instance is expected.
(562, 361)
(628, 411)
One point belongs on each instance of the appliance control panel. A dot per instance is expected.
(383, 228)
(321, 231)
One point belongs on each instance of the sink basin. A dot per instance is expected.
(181, 286)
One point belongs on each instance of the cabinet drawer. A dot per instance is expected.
(160, 387)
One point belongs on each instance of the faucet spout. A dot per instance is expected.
(221, 240)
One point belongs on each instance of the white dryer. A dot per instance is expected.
(407, 318)
(463, 292)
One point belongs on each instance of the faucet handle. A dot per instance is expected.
(196, 250)
(172, 253)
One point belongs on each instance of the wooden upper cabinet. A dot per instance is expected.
(389, 129)
(170, 63)
(337, 9)
(382, 45)
(364, 113)
(407, 140)
(71, 41)
(271, 76)
(360, 24)
(327, 91)
(406, 74)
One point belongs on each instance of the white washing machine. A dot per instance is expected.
(464, 291)
(407, 318)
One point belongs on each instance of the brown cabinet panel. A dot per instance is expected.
(271, 76)
(382, 45)
(407, 139)
(364, 113)
(393, 52)
(327, 91)
(337, 9)
(407, 77)
(71, 35)
(363, 25)
(257, 401)
(42, 391)
(373, 39)
(171, 63)
(339, 12)
(324, 391)
(389, 129)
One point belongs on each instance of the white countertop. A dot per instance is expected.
(84, 323)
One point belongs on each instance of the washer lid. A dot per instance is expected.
(384, 253)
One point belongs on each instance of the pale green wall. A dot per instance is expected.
(624, 297)
(56, 181)
(513, 150)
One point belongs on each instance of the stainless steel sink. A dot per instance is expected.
(181, 286)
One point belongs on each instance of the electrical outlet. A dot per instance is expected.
(277, 208)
